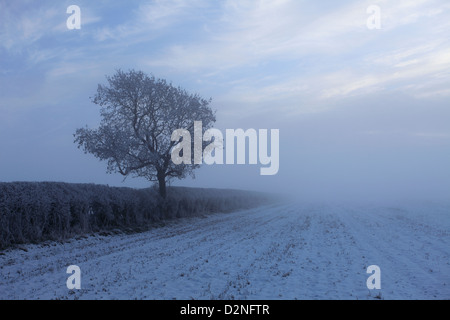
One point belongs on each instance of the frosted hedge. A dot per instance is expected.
(31, 212)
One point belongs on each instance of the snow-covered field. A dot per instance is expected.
(290, 251)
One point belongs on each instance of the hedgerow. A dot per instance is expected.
(32, 212)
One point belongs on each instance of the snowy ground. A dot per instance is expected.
(274, 252)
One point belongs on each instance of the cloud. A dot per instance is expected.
(21, 26)
(259, 51)
(402, 13)
(249, 34)
(24, 24)
(149, 19)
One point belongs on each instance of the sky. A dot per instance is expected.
(363, 110)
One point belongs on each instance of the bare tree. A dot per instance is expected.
(139, 114)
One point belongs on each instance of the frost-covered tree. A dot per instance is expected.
(139, 114)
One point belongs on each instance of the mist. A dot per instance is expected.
(379, 148)
(363, 113)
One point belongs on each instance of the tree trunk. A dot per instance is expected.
(162, 185)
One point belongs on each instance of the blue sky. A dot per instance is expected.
(361, 112)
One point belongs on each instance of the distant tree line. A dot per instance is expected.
(31, 212)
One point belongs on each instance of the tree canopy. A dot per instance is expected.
(139, 114)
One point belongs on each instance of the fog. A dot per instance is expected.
(363, 113)
(385, 148)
